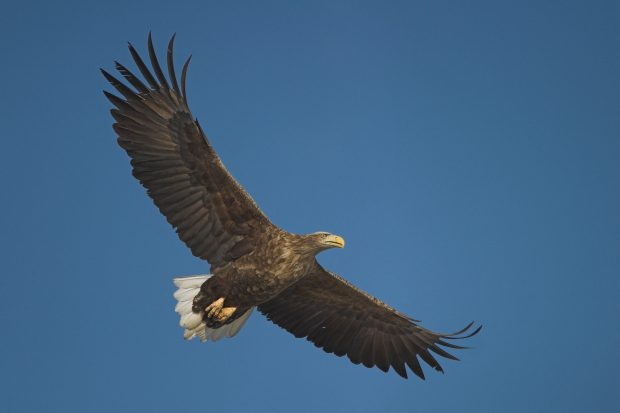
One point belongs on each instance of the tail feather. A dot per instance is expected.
(187, 289)
(194, 281)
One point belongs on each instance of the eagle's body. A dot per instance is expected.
(254, 264)
(280, 260)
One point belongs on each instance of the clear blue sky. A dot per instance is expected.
(469, 153)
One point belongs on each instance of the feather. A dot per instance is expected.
(142, 67)
(185, 294)
(183, 77)
(396, 352)
(191, 320)
(155, 64)
(194, 281)
(379, 352)
(137, 83)
(183, 307)
(366, 350)
(170, 61)
(414, 365)
(437, 350)
(123, 90)
(116, 101)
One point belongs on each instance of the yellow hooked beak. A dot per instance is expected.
(334, 241)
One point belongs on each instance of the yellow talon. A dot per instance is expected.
(217, 310)
(225, 313)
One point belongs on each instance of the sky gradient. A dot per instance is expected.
(468, 152)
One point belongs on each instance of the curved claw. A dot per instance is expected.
(217, 311)
(212, 309)
(225, 313)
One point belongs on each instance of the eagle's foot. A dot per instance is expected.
(225, 313)
(212, 309)
(217, 311)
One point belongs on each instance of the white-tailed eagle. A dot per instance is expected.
(254, 264)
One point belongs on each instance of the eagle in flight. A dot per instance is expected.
(254, 264)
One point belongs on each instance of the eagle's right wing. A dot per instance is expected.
(173, 160)
(342, 319)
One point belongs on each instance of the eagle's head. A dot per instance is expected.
(321, 241)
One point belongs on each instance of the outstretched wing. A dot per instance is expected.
(341, 319)
(173, 160)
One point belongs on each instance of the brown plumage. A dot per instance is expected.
(254, 263)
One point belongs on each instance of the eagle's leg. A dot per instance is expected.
(217, 311)
(207, 300)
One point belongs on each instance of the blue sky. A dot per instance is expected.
(467, 151)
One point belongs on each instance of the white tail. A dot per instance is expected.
(187, 289)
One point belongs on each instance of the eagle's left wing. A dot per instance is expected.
(342, 319)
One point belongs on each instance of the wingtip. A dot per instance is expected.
(156, 66)
(401, 372)
(476, 331)
(184, 77)
(150, 40)
(170, 60)
(107, 75)
(473, 333)
(455, 336)
(171, 43)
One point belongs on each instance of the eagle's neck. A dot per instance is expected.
(303, 247)
(298, 256)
